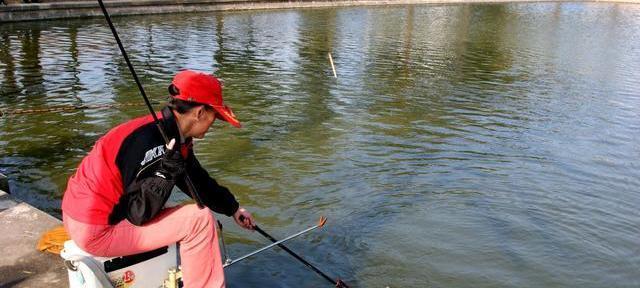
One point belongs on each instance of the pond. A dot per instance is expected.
(459, 145)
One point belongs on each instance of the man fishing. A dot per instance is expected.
(114, 204)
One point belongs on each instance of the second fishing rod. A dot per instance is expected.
(339, 283)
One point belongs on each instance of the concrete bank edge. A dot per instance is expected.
(79, 9)
(22, 265)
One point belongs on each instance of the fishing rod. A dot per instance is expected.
(339, 283)
(190, 186)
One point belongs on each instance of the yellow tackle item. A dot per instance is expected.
(53, 240)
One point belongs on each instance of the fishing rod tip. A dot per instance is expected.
(322, 221)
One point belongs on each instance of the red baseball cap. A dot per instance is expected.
(203, 88)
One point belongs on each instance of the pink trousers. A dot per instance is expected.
(193, 228)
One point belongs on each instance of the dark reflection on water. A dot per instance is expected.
(460, 146)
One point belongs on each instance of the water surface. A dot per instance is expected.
(460, 146)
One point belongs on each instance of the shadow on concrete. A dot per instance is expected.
(37, 269)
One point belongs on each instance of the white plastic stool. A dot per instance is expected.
(148, 269)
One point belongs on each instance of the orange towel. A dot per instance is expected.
(53, 240)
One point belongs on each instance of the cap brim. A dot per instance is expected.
(227, 115)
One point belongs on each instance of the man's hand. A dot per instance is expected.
(247, 219)
(172, 165)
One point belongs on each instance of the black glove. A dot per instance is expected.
(172, 165)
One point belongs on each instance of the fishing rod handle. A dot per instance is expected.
(192, 191)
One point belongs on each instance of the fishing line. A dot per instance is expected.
(65, 108)
(190, 186)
